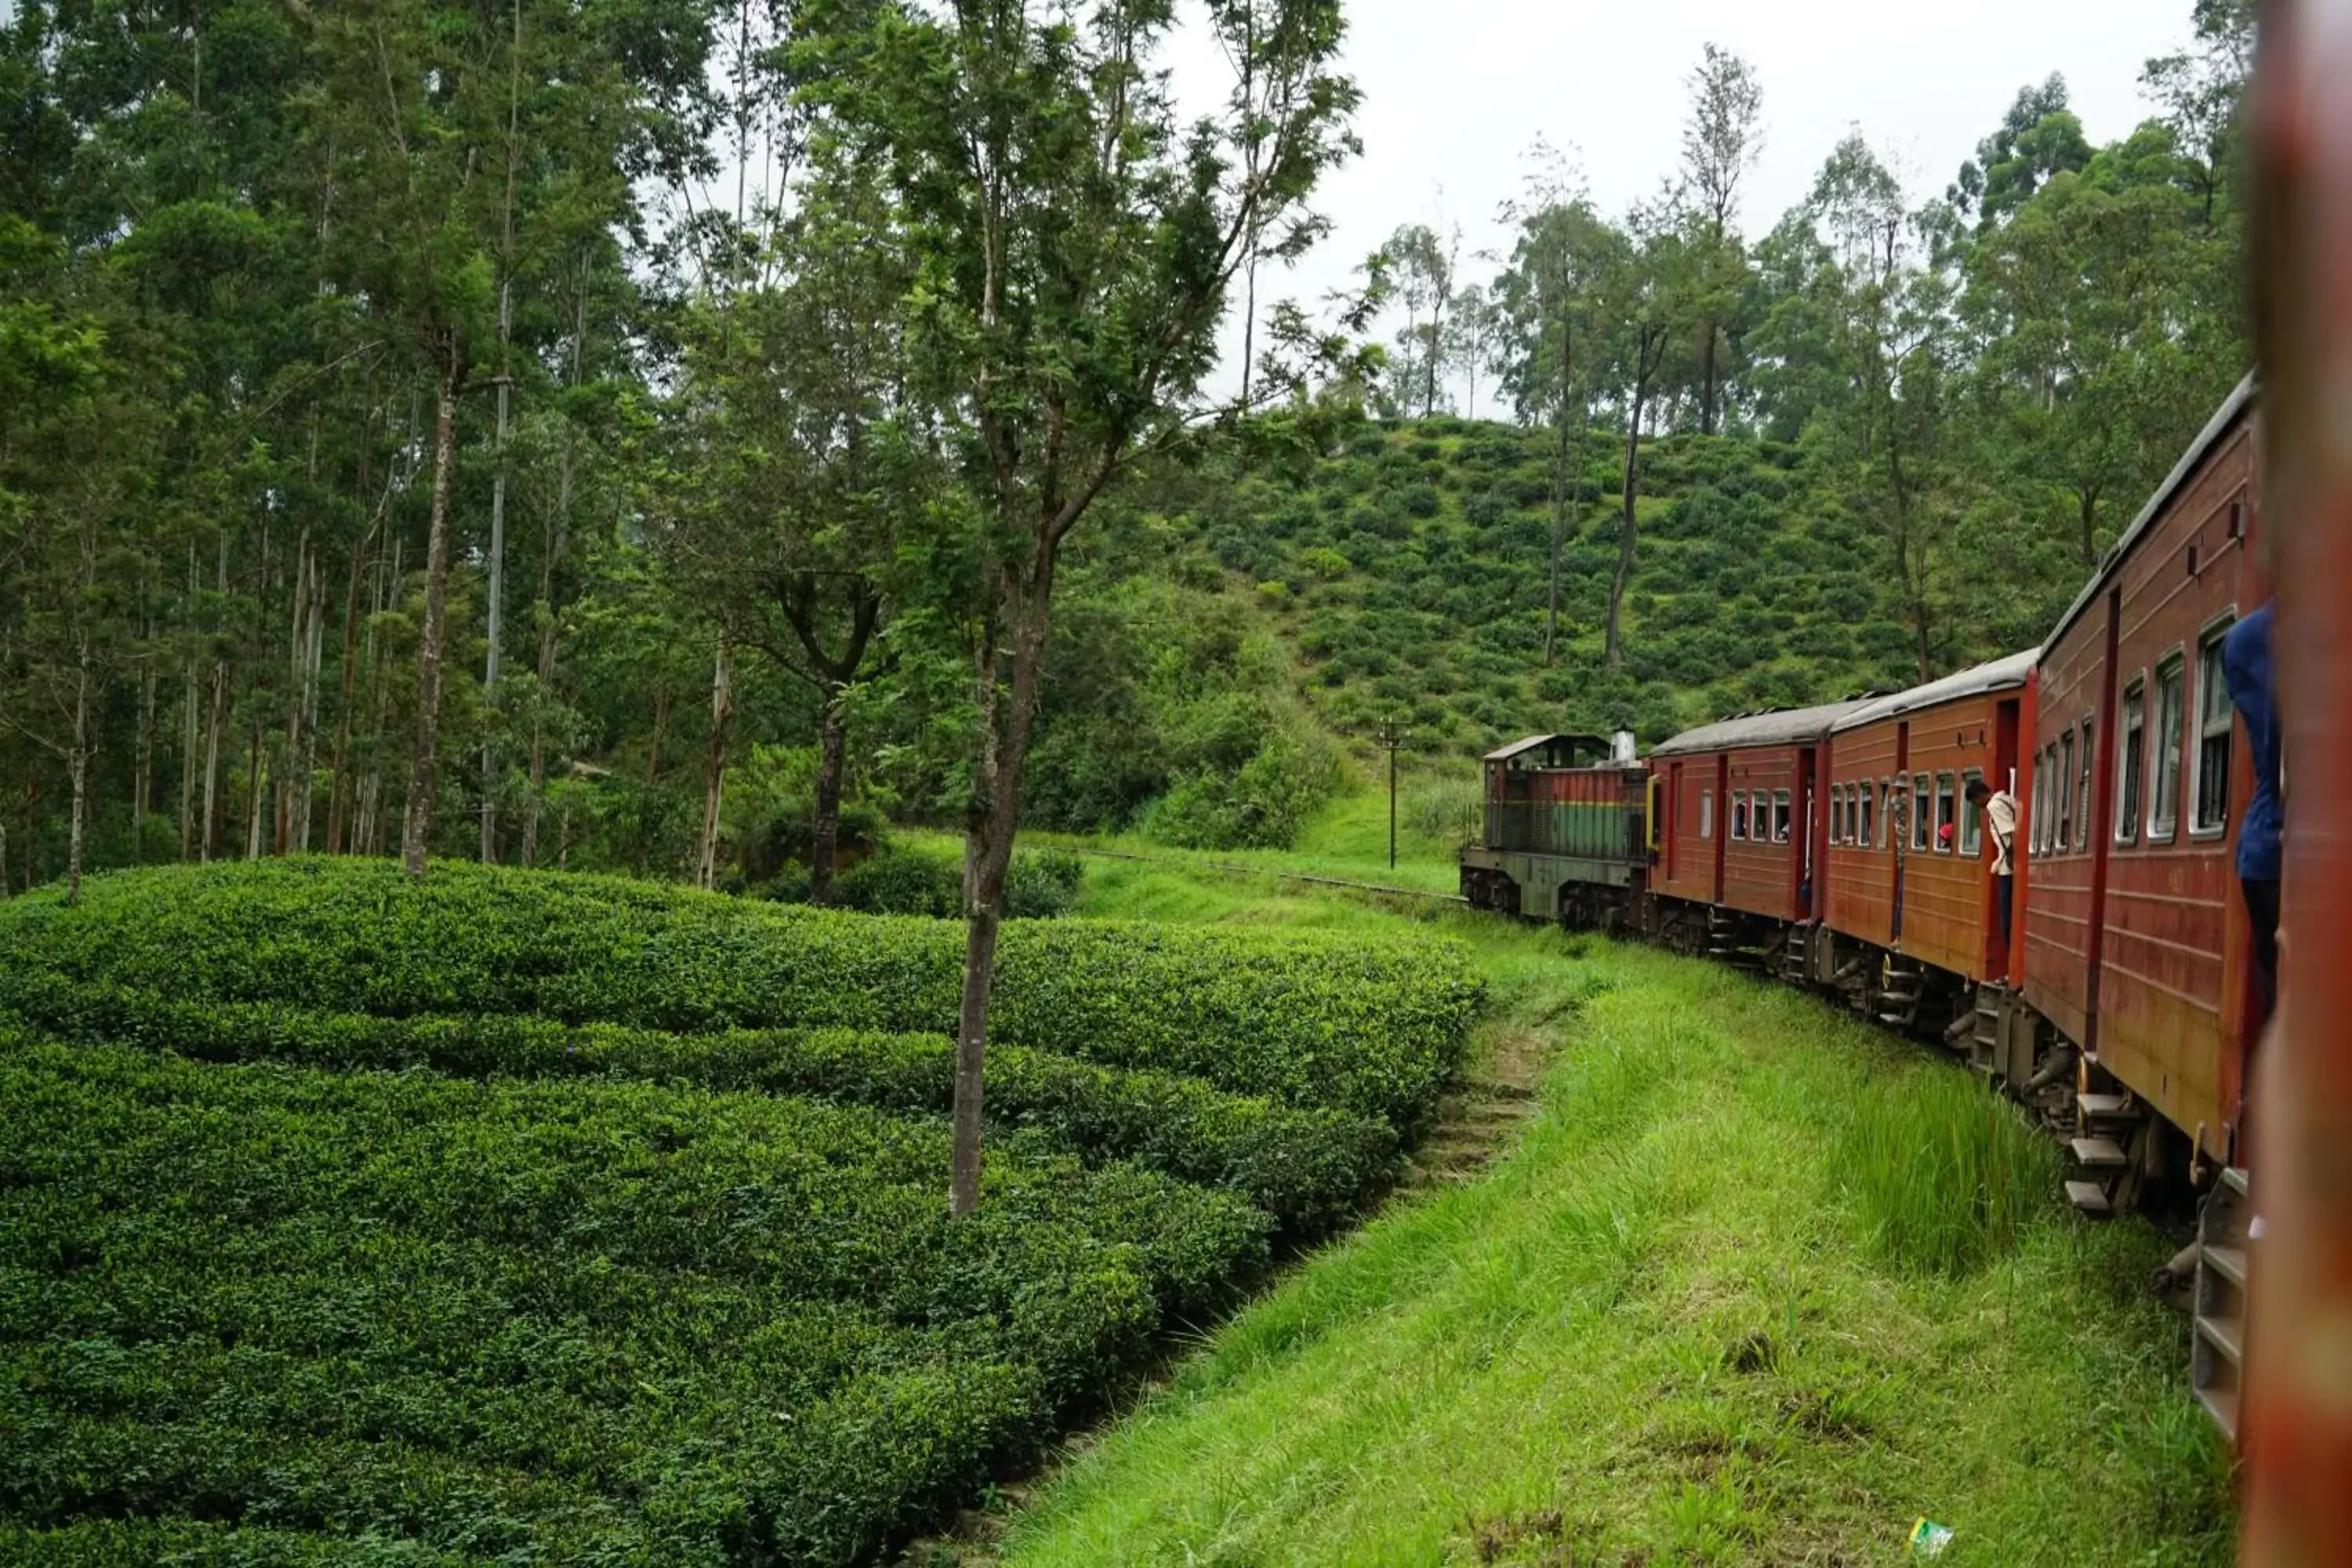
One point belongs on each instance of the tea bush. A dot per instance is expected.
(557, 1319)
(1312, 1019)
(1308, 1169)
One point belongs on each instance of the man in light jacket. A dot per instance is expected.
(2000, 809)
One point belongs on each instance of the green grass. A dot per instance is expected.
(1758, 1285)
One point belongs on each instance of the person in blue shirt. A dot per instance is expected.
(2246, 666)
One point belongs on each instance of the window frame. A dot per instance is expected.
(1740, 816)
(1972, 830)
(2086, 781)
(1890, 803)
(1947, 800)
(2131, 759)
(1867, 799)
(2163, 827)
(2063, 830)
(1922, 792)
(2208, 641)
(2037, 830)
(1707, 814)
(1784, 808)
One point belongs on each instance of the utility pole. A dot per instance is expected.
(1391, 739)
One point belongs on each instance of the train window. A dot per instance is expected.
(2215, 720)
(2131, 761)
(1852, 797)
(1946, 807)
(1971, 819)
(1867, 798)
(2067, 838)
(2164, 808)
(1780, 817)
(1890, 813)
(1738, 813)
(1707, 814)
(2082, 793)
(1922, 810)
(2037, 831)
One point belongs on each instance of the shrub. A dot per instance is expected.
(912, 880)
(1307, 1168)
(563, 1319)
(1310, 1019)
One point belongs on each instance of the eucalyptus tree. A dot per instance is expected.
(1721, 142)
(1548, 298)
(456, 137)
(1647, 297)
(805, 470)
(1080, 238)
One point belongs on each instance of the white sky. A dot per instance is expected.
(1455, 94)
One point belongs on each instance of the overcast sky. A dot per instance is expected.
(1455, 94)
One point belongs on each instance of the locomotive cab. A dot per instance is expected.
(1564, 834)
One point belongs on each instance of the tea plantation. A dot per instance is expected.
(549, 1219)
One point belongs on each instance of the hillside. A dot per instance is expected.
(1406, 571)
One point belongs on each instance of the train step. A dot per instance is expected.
(2110, 1109)
(2091, 1198)
(2225, 1243)
(2099, 1154)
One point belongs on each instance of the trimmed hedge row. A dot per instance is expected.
(1307, 1168)
(575, 1320)
(1310, 1019)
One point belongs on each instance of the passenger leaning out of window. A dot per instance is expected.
(1999, 808)
(2246, 667)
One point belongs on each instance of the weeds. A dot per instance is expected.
(1945, 1175)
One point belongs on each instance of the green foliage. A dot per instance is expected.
(482, 1315)
(1307, 1168)
(1370, 1026)
(1945, 1176)
(924, 879)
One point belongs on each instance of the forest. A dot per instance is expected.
(683, 438)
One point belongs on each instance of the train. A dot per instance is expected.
(1835, 846)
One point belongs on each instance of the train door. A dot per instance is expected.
(1674, 834)
(1806, 760)
(2001, 774)
(1898, 827)
(1722, 825)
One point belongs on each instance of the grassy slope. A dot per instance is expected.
(1656, 1331)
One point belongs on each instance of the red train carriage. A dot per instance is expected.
(1740, 835)
(1909, 913)
(2136, 947)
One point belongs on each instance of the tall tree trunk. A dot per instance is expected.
(984, 703)
(79, 759)
(189, 670)
(1032, 620)
(416, 826)
(497, 585)
(143, 781)
(1627, 534)
(1560, 483)
(498, 589)
(2087, 514)
(722, 708)
(256, 790)
(339, 780)
(824, 840)
(217, 720)
(558, 539)
(1706, 372)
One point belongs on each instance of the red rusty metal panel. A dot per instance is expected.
(1860, 900)
(1760, 876)
(1947, 907)
(2060, 893)
(2173, 959)
(1697, 821)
